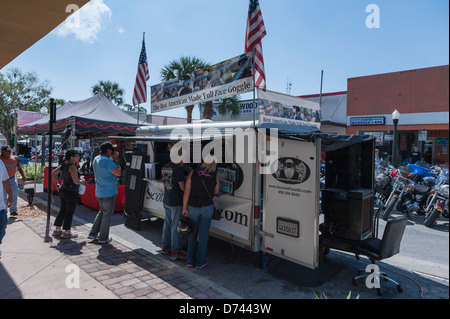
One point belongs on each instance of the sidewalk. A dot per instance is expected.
(36, 265)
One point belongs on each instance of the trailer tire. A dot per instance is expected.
(323, 251)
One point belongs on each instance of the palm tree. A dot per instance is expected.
(179, 68)
(129, 107)
(112, 91)
(225, 106)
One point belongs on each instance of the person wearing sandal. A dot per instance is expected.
(201, 186)
(68, 194)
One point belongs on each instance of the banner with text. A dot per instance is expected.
(286, 109)
(219, 81)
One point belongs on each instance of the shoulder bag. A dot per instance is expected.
(217, 214)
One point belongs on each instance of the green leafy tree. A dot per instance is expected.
(20, 91)
(228, 106)
(129, 107)
(111, 90)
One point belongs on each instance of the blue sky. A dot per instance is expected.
(303, 38)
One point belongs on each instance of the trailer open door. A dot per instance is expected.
(290, 203)
(134, 192)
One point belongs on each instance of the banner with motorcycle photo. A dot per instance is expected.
(286, 109)
(224, 79)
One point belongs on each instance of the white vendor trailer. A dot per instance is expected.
(269, 183)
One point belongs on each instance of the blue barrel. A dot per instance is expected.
(23, 160)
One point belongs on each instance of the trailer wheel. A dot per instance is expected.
(323, 251)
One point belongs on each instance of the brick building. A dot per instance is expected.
(422, 98)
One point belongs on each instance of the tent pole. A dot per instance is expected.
(320, 97)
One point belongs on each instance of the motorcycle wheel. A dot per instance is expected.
(421, 211)
(431, 217)
(389, 207)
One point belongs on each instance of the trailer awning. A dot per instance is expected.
(171, 138)
(329, 142)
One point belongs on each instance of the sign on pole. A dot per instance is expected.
(219, 81)
(423, 135)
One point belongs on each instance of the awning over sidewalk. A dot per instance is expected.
(24, 22)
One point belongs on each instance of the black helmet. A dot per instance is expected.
(184, 226)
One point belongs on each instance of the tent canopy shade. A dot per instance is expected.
(95, 114)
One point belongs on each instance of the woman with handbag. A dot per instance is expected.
(68, 193)
(198, 204)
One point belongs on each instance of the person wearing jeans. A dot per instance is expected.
(103, 220)
(198, 204)
(5, 186)
(170, 236)
(174, 183)
(200, 218)
(12, 166)
(106, 170)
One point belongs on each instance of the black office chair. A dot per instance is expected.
(376, 249)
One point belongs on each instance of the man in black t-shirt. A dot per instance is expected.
(415, 155)
(174, 182)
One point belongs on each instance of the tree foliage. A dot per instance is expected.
(20, 91)
(111, 90)
(229, 106)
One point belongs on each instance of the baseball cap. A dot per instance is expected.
(107, 146)
(6, 148)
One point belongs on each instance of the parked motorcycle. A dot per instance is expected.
(438, 202)
(411, 190)
(416, 196)
(383, 184)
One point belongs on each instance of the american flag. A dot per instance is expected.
(254, 34)
(140, 88)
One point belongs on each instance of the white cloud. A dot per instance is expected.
(85, 23)
(120, 30)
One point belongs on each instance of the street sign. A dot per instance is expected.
(422, 135)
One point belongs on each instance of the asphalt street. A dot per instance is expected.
(422, 266)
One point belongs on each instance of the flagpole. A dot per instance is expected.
(139, 105)
(254, 86)
(256, 133)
